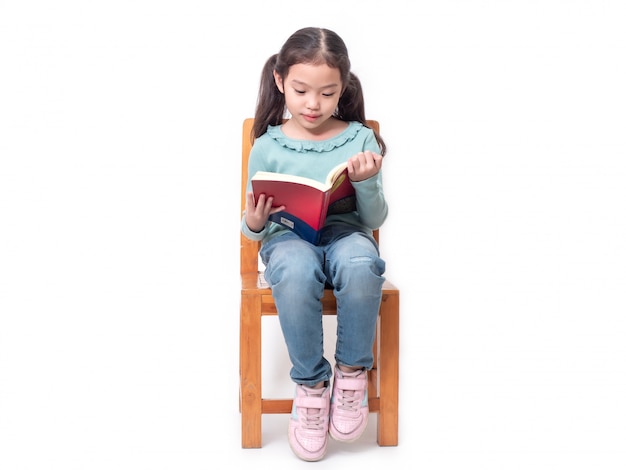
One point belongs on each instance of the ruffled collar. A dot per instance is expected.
(276, 133)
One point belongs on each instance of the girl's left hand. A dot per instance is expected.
(364, 165)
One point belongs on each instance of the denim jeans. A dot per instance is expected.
(297, 271)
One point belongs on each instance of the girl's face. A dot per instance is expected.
(311, 95)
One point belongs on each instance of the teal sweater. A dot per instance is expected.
(274, 151)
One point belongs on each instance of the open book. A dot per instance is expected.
(307, 202)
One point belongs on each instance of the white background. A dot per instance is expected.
(120, 131)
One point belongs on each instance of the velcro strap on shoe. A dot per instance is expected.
(351, 384)
(311, 402)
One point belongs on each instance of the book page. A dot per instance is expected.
(335, 172)
(269, 176)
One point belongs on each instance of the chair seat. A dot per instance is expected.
(255, 284)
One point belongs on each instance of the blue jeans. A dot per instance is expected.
(297, 271)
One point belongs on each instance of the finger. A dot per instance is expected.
(277, 209)
(250, 200)
(368, 161)
(374, 160)
(378, 160)
(351, 171)
(261, 202)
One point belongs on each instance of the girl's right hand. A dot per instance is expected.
(258, 214)
(364, 165)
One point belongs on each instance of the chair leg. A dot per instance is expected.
(250, 372)
(388, 372)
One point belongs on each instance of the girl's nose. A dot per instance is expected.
(312, 102)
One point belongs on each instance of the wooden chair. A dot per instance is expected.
(256, 301)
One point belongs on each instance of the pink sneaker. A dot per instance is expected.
(349, 408)
(308, 425)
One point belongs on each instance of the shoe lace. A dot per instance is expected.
(312, 419)
(347, 400)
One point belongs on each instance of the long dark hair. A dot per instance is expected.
(309, 46)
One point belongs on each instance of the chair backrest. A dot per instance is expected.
(249, 252)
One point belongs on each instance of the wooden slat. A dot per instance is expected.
(388, 368)
(283, 406)
(250, 371)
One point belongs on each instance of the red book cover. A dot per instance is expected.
(307, 202)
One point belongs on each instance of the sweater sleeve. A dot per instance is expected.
(255, 162)
(255, 236)
(370, 201)
(371, 204)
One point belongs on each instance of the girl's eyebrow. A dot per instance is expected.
(298, 82)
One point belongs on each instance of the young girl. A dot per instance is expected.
(310, 78)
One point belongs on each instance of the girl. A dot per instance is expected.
(310, 79)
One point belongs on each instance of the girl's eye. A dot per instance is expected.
(327, 95)
(300, 92)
